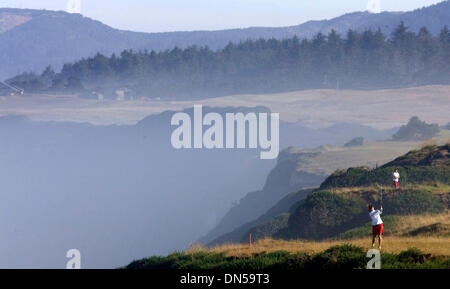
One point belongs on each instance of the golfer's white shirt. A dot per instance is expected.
(375, 216)
(395, 177)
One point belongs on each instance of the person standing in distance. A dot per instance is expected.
(395, 178)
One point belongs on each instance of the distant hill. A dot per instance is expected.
(32, 39)
(336, 214)
(338, 209)
(430, 164)
(296, 172)
(357, 141)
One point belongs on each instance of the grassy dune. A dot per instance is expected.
(436, 188)
(438, 246)
(325, 159)
(398, 238)
(330, 158)
(397, 253)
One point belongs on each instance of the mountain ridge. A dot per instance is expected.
(296, 172)
(338, 207)
(56, 37)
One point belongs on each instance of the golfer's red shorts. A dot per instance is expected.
(377, 230)
(395, 184)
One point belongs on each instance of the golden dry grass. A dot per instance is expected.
(437, 246)
(336, 158)
(406, 224)
(437, 188)
(429, 142)
(443, 136)
(394, 243)
(384, 108)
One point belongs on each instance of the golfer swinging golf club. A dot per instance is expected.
(377, 225)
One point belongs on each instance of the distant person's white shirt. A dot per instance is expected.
(376, 218)
(395, 177)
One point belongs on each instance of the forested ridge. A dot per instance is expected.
(367, 60)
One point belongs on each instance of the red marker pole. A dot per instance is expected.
(250, 240)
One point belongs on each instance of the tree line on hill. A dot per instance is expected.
(367, 60)
(416, 130)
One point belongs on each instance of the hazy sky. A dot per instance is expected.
(171, 15)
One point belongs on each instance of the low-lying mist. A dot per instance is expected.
(119, 193)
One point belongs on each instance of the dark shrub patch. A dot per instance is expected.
(339, 257)
(414, 202)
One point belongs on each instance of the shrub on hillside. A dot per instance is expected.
(345, 256)
(416, 130)
(412, 255)
(294, 262)
(323, 214)
(414, 202)
(366, 229)
(267, 229)
(337, 257)
(159, 262)
(362, 176)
